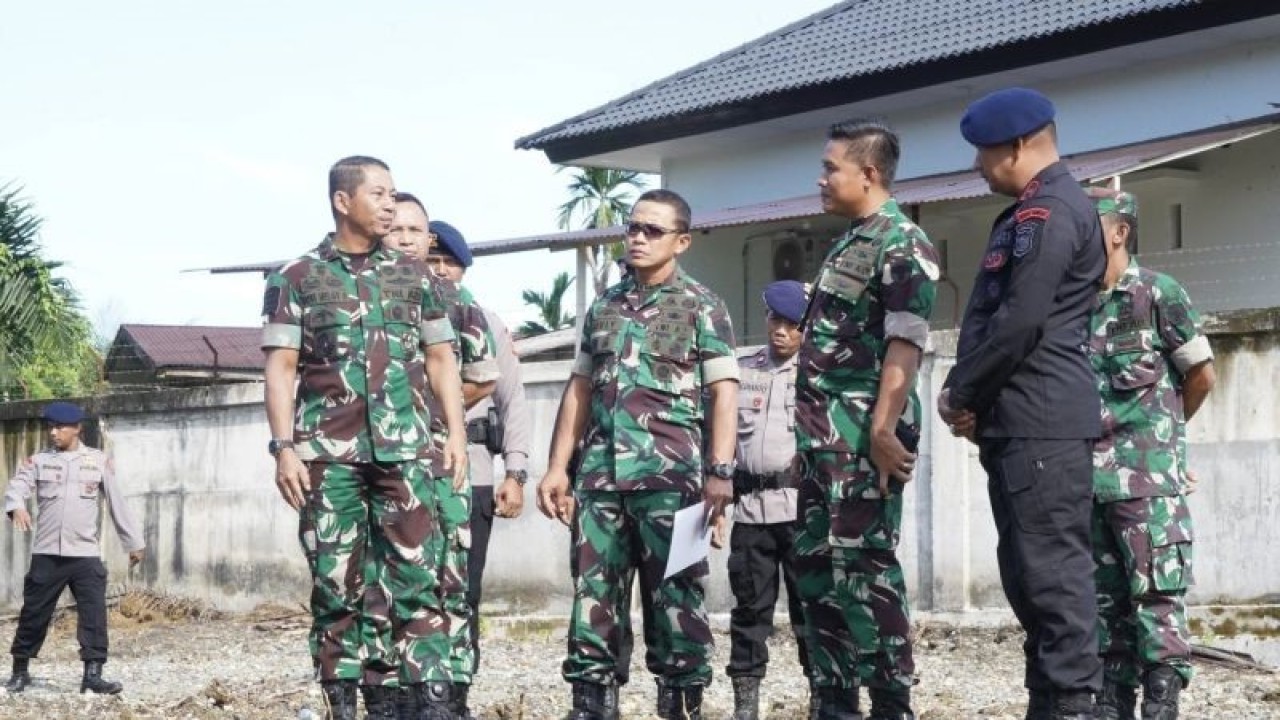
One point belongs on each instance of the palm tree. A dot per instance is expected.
(600, 198)
(45, 340)
(551, 315)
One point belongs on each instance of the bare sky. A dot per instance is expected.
(160, 135)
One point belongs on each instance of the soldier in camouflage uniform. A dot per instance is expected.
(360, 331)
(866, 329)
(1154, 369)
(655, 365)
(476, 354)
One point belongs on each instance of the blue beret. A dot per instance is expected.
(62, 413)
(785, 298)
(450, 241)
(1004, 116)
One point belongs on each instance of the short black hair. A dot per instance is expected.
(684, 215)
(871, 144)
(408, 197)
(347, 174)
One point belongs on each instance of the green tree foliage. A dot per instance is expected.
(46, 342)
(600, 198)
(551, 314)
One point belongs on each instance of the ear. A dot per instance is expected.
(342, 203)
(683, 240)
(871, 175)
(1122, 234)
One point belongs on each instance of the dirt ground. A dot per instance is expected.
(179, 660)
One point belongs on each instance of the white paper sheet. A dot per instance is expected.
(690, 539)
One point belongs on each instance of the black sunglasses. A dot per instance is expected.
(651, 231)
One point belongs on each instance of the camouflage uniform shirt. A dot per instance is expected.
(648, 352)
(359, 324)
(1144, 335)
(476, 353)
(877, 284)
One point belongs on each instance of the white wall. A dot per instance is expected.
(197, 474)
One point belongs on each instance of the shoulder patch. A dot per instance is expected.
(1032, 213)
(271, 300)
(1024, 239)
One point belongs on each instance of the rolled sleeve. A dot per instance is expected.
(582, 364)
(277, 335)
(720, 368)
(906, 326)
(480, 372)
(436, 331)
(1193, 353)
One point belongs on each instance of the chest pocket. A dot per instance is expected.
(667, 358)
(606, 333)
(751, 401)
(327, 331)
(401, 310)
(846, 275)
(88, 481)
(1132, 361)
(49, 482)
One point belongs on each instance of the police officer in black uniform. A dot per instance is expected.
(1022, 389)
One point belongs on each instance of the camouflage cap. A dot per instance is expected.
(1112, 201)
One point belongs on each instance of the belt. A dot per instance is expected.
(750, 482)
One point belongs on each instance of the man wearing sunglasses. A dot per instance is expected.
(856, 414)
(655, 367)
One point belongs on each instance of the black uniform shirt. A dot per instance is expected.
(1021, 364)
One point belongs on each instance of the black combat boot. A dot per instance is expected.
(670, 700)
(1160, 689)
(1039, 704)
(1116, 702)
(459, 703)
(407, 702)
(890, 705)
(813, 700)
(592, 701)
(93, 682)
(1071, 705)
(379, 702)
(837, 703)
(20, 678)
(340, 696)
(691, 699)
(746, 698)
(433, 701)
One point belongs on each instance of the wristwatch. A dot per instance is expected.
(277, 444)
(724, 470)
(520, 476)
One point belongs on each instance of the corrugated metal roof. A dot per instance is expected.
(1086, 167)
(854, 39)
(185, 346)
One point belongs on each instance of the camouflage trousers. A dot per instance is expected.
(848, 577)
(619, 535)
(455, 519)
(1142, 548)
(373, 544)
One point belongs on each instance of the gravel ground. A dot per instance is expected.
(177, 660)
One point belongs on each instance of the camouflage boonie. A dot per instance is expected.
(358, 324)
(878, 283)
(1143, 548)
(1144, 335)
(851, 586)
(648, 352)
(372, 543)
(619, 535)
